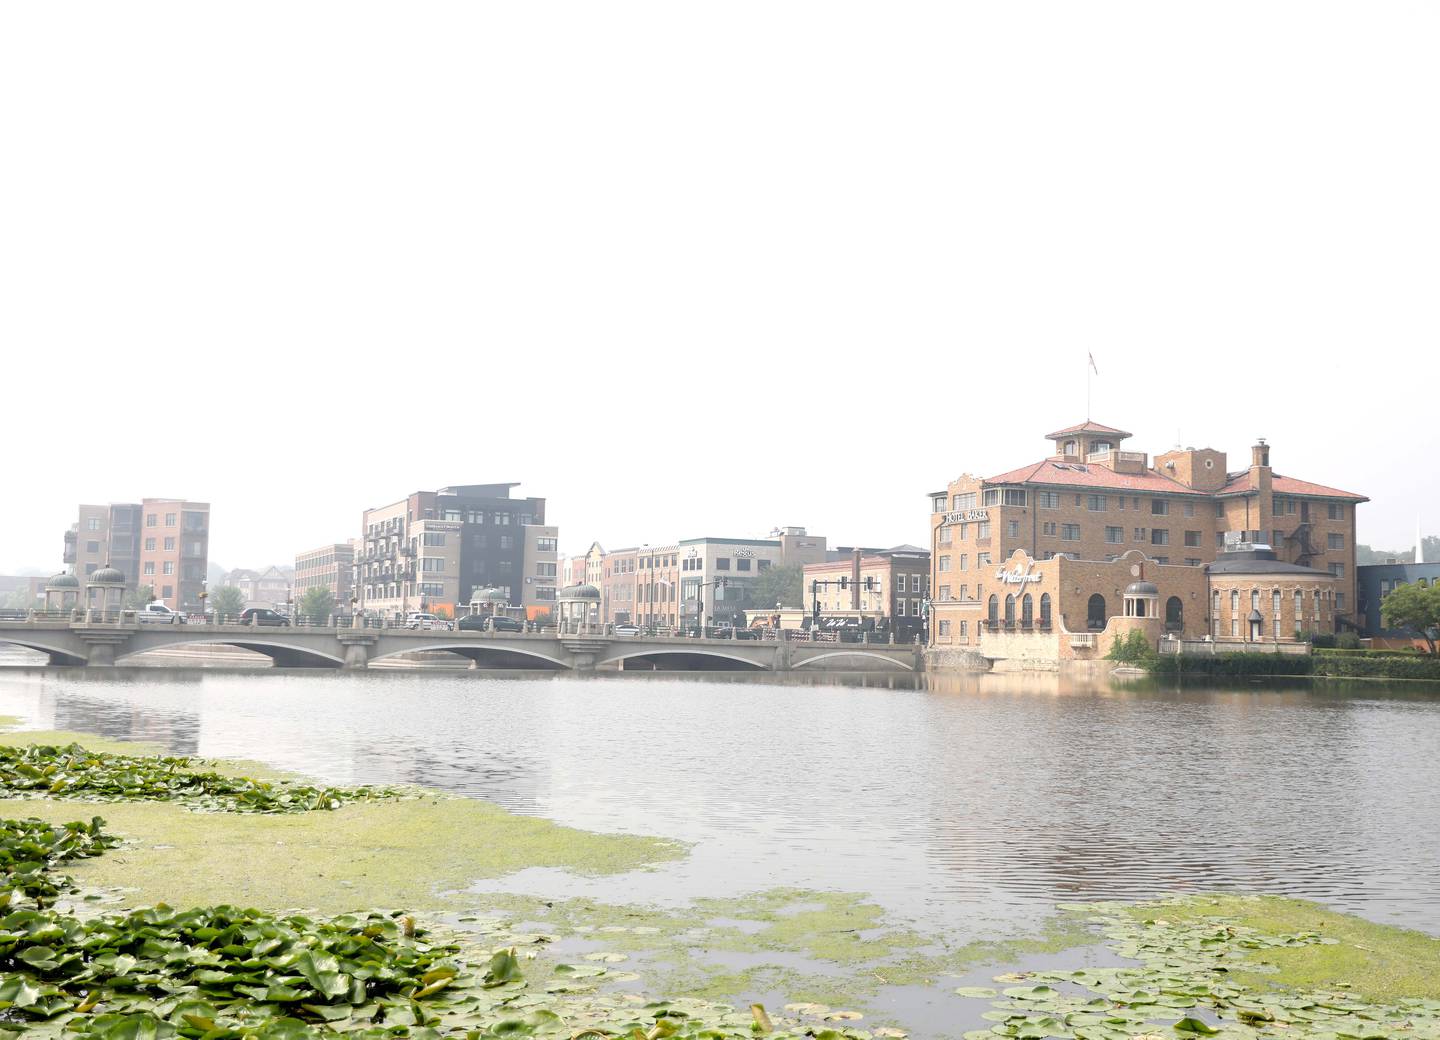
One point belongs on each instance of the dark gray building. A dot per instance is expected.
(1375, 581)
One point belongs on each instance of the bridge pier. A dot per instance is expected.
(102, 643)
(782, 657)
(358, 645)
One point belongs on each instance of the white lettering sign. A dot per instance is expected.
(966, 516)
(745, 554)
(1015, 577)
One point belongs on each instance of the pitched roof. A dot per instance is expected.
(1087, 427)
(1281, 485)
(1077, 474)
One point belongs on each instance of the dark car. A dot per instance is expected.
(486, 623)
(263, 616)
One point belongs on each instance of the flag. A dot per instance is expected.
(1092, 363)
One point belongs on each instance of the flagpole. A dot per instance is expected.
(1087, 388)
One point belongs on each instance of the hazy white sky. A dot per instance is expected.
(703, 269)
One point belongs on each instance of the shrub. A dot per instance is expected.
(1347, 641)
(1328, 665)
(1134, 648)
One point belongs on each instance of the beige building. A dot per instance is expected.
(541, 584)
(1093, 500)
(328, 567)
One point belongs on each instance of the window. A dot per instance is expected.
(992, 497)
(170, 543)
(167, 591)
(1070, 448)
(169, 567)
(1070, 532)
(1254, 599)
(1189, 508)
(507, 542)
(1049, 528)
(962, 502)
(546, 545)
(1047, 500)
(1219, 540)
(149, 545)
(92, 523)
(1095, 503)
(1339, 601)
(982, 559)
(899, 608)
(964, 561)
(722, 564)
(1015, 497)
(149, 567)
(1219, 510)
(1337, 569)
(763, 565)
(1193, 561)
(149, 519)
(1279, 538)
(545, 570)
(1335, 511)
(945, 593)
(1192, 539)
(1159, 507)
(944, 564)
(944, 630)
(169, 519)
(1275, 611)
(937, 505)
(1162, 559)
(900, 583)
(982, 529)
(915, 610)
(1140, 534)
(1114, 535)
(965, 631)
(92, 547)
(742, 564)
(1012, 528)
(1299, 611)
(945, 536)
(1334, 541)
(433, 538)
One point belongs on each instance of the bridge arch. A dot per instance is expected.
(474, 649)
(59, 655)
(807, 662)
(662, 653)
(284, 654)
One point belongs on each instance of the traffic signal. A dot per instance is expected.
(844, 583)
(869, 584)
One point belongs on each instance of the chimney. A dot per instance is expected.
(855, 579)
(1260, 453)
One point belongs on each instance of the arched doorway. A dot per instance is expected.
(1174, 614)
(1095, 613)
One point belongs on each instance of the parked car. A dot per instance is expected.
(489, 623)
(263, 616)
(158, 613)
(629, 629)
(417, 619)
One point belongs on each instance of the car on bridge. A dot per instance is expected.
(158, 613)
(488, 623)
(427, 622)
(625, 628)
(263, 616)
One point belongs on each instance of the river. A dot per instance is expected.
(971, 804)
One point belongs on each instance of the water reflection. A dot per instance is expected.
(969, 802)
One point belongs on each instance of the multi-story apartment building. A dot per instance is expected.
(328, 567)
(434, 548)
(1091, 499)
(541, 584)
(617, 586)
(174, 549)
(890, 584)
(163, 543)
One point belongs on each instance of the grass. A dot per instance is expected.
(1379, 962)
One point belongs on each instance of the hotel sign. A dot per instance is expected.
(1017, 576)
(965, 516)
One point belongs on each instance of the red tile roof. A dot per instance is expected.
(1074, 474)
(1080, 475)
(1281, 485)
(1087, 427)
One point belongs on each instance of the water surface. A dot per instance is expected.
(970, 804)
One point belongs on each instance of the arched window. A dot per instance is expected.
(1044, 610)
(1234, 603)
(1215, 604)
(1095, 612)
(993, 610)
(1010, 610)
(1027, 610)
(1174, 614)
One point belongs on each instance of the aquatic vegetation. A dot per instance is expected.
(1185, 985)
(75, 772)
(30, 849)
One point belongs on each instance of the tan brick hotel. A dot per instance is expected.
(1093, 499)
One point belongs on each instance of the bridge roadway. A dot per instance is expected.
(107, 643)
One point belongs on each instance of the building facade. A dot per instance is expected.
(1092, 500)
(162, 543)
(328, 567)
(541, 585)
(432, 549)
(887, 584)
(1376, 581)
(739, 562)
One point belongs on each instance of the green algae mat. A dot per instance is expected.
(206, 862)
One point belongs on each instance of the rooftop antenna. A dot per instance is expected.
(1090, 368)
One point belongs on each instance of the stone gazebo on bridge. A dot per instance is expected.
(577, 609)
(62, 593)
(105, 591)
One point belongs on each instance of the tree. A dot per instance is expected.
(783, 585)
(317, 603)
(1414, 607)
(142, 595)
(227, 599)
(1132, 649)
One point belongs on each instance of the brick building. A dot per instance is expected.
(1091, 499)
(886, 584)
(328, 567)
(160, 542)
